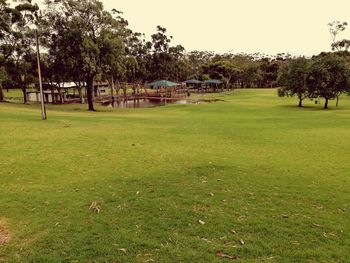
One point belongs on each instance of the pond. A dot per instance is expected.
(144, 103)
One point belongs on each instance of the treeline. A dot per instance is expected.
(82, 42)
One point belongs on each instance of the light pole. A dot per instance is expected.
(43, 110)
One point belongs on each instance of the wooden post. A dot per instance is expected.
(43, 110)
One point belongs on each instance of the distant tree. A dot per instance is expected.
(87, 36)
(4, 27)
(328, 77)
(196, 60)
(140, 50)
(3, 77)
(342, 45)
(17, 41)
(335, 28)
(165, 61)
(293, 78)
(222, 69)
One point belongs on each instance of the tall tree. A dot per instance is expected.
(17, 41)
(328, 77)
(335, 28)
(293, 78)
(87, 35)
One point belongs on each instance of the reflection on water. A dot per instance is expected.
(142, 103)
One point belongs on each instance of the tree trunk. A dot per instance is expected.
(89, 89)
(25, 99)
(125, 87)
(300, 102)
(337, 101)
(112, 90)
(2, 96)
(53, 96)
(80, 91)
(95, 90)
(61, 95)
(326, 104)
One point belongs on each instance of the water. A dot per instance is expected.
(143, 103)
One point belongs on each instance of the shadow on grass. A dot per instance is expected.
(310, 108)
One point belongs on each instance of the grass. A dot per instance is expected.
(254, 168)
(14, 95)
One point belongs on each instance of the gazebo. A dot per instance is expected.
(214, 83)
(165, 87)
(193, 82)
(162, 83)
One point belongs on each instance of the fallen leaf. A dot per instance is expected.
(94, 207)
(211, 194)
(206, 240)
(285, 216)
(317, 225)
(242, 242)
(221, 255)
(122, 250)
(201, 222)
(233, 231)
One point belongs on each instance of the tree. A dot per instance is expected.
(293, 78)
(16, 42)
(196, 59)
(165, 61)
(222, 69)
(4, 27)
(342, 45)
(328, 77)
(335, 28)
(3, 77)
(87, 36)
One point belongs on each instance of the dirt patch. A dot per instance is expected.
(4, 234)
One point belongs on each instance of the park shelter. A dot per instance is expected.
(213, 84)
(193, 82)
(194, 85)
(162, 83)
(164, 88)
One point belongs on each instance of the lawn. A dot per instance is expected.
(14, 95)
(253, 177)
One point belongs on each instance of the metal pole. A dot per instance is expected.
(43, 110)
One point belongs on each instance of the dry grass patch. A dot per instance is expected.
(4, 234)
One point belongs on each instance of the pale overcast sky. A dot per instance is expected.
(266, 26)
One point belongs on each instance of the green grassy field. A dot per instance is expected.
(270, 182)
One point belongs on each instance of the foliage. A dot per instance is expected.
(329, 76)
(16, 42)
(335, 28)
(293, 78)
(87, 39)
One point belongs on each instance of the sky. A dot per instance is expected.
(266, 26)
